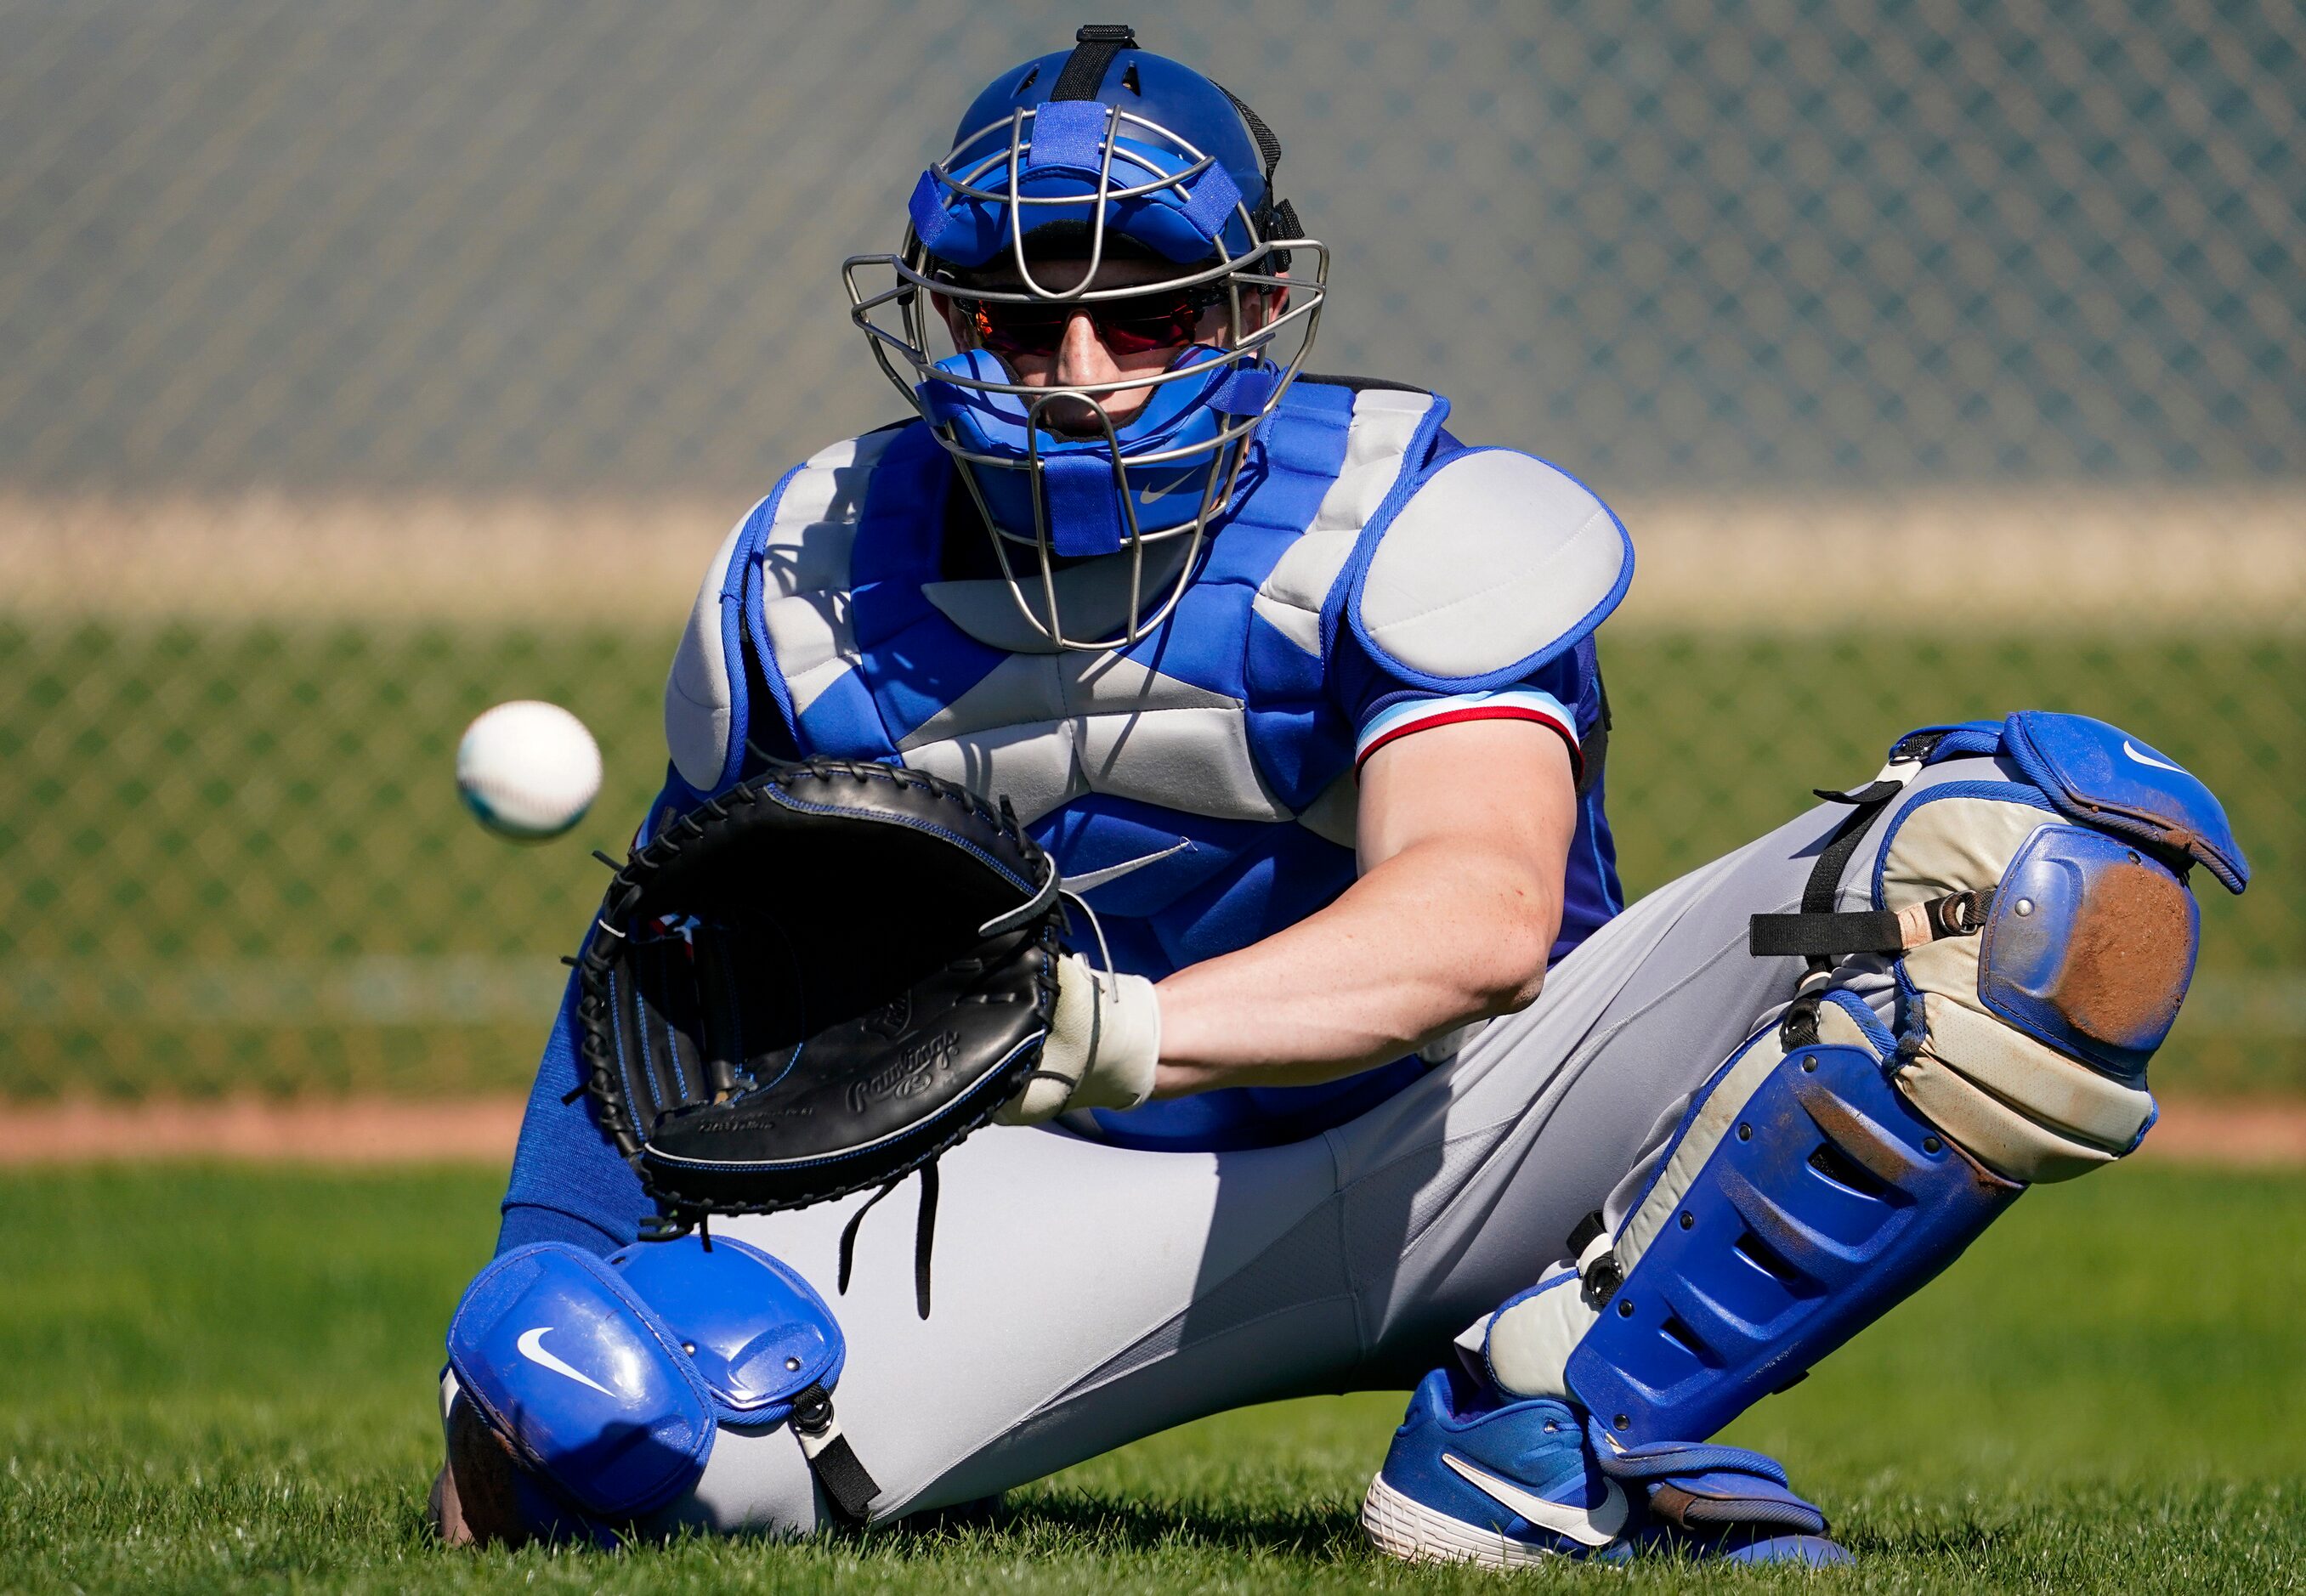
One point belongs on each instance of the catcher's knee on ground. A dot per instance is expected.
(587, 1397)
(2040, 936)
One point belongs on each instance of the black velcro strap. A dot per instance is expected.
(1275, 217)
(1873, 792)
(1871, 931)
(1095, 44)
(1586, 1229)
(845, 1480)
(1268, 146)
(1823, 935)
(847, 1484)
(1799, 1028)
(1825, 884)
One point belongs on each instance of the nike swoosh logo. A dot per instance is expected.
(1147, 495)
(1588, 1526)
(2160, 764)
(1091, 879)
(532, 1347)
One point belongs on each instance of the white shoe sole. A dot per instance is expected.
(1402, 1527)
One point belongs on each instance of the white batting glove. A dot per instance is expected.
(1104, 1041)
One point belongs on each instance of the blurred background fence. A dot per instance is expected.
(362, 365)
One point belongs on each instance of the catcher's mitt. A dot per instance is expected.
(815, 984)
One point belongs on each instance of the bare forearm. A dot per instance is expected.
(1433, 937)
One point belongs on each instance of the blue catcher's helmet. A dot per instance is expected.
(1105, 141)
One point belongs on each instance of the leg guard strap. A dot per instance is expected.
(1701, 1489)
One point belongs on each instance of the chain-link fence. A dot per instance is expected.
(362, 366)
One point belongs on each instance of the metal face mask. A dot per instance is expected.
(1121, 143)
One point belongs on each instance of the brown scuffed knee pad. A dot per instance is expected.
(2034, 1035)
(476, 1499)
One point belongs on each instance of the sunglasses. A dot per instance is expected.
(1166, 319)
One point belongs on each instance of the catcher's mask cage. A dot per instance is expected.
(1202, 201)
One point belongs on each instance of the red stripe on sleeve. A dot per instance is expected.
(1483, 711)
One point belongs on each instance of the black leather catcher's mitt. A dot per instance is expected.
(815, 984)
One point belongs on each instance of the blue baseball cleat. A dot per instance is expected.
(1473, 1478)
(1467, 1481)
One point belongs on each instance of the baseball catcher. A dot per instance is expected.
(1146, 808)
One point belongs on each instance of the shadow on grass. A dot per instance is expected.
(1110, 1523)
(1040, 1521)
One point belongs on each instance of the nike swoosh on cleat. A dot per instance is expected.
(2160, 764)
(532, 1347)
(1091, 879)
(1588, 1526)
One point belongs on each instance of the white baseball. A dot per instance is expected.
(528, 769)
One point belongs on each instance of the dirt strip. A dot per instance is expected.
(2243, 1133)
(332, 1131)
(2035, 556)
(2265, 1133)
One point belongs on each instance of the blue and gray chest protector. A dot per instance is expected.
(1196, 787)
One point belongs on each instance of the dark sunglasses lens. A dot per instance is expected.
(1006, 327)
(1128, 326)
(1152, 321)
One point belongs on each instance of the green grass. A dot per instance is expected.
(231, 856)
(221, 1380)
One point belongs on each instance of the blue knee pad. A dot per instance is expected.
(2042, 936)
(610, 1377)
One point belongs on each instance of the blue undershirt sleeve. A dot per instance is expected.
(568, 1183)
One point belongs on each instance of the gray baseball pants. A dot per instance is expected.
(1087, 1295)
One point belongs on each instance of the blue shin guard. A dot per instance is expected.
(2035, 920)
(1823, 1200)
